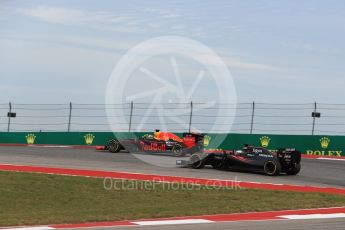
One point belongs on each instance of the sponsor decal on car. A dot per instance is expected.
(257, 150)
(153, 146)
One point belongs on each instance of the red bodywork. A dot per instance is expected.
(160, 142)
(165, 136)
(187, 141)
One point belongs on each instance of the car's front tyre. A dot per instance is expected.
(196, 161)
(114, 146)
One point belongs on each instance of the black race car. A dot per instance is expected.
(159, 142)
(250, 158)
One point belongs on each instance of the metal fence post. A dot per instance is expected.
(9, 117)
(252, 121)
(130, 117)
(69, 117)
(190, 116)
(313, 128)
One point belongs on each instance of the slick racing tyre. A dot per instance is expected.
(272, 168)
(294, 169)
(177, 150)
(197, 162)
(114, 146)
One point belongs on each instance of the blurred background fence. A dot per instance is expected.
(256, 118)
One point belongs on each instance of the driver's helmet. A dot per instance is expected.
(156, 134)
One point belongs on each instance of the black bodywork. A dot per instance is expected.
(250, 158)
(189, 144)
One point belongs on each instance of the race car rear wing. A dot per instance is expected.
(289, 155)
(194, 139)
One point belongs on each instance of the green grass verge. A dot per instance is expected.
(34, 199)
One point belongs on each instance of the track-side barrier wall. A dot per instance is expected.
(311, 145)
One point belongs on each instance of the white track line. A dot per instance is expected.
(170, 222)
(32, 228)
(50, 146)
(330, 159)
(199, 221)
(313, 216)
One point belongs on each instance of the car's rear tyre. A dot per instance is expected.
(114, 146)
(272, 168)
(294, 170)
(177, 150)
(197, 162)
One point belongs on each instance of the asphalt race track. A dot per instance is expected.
(322, 173)
(325, 173)
(321, 224)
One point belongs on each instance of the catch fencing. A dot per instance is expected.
(246, 118)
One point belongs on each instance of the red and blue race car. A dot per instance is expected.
(162, 142)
